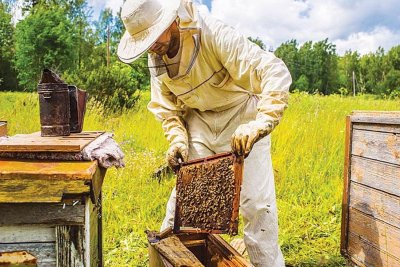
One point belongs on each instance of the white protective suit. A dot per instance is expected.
(223, 81)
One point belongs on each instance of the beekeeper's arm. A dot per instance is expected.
(168, 109)
(259, 72)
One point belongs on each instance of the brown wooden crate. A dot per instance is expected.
(36, 143)
(371, 190)
(208, 195)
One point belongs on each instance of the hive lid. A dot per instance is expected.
(208, 195)
(35, 143)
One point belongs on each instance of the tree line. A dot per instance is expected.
(317, 68)
(62, 35)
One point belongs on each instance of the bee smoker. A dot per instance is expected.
(54, 105)
(62, 107)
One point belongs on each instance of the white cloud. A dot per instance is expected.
(359, 25)
(347, 24)
(369, 42)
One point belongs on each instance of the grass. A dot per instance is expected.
(308, 158)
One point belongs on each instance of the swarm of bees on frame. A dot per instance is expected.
(205, 194)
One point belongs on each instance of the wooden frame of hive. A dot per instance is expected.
(207, 219)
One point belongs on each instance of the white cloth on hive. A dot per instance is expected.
(105, 150)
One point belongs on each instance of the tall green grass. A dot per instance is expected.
(308, 158)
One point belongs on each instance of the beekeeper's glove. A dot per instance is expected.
(176, 134)
(176, 154)
(246, 135)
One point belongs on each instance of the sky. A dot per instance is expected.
(356, 25)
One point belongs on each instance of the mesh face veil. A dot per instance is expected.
(189, 46)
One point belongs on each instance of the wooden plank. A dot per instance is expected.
(176, 253)
(93, 233)
(155, 259)
(98, 230)
(375, 203)
(362, 251)
(387, 128)
(377, 233)
(70, 246)
(35, 143)
(227, 252)
(48, 191)
(17, 258)
(46, 181)
(97, 184)
(379, 117)
(346, 184)
(43, 169)
(44, 252)
(376, 145)
(41, 213)
(376, 174)
(27, 233)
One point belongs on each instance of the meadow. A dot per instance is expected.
(308, 158)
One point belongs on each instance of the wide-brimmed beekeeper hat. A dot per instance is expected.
(145, 21)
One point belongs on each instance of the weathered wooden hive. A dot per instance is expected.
(50, 210)
(371, 197)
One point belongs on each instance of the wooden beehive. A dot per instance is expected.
(50, 209)
(371, 196)
(208, 195)
(191, 249)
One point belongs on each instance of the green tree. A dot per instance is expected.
(391, 86)
(348, 64)
(324, 71)
(115, 87)
(288, 52)
(8, 77)
(302, 84)
(372, 67)
(45, 38)
(393, 58)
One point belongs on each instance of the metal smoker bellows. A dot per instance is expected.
(62, 106)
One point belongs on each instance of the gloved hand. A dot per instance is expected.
(246, 135)
(176, 152)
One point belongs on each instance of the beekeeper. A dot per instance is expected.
(213, 91)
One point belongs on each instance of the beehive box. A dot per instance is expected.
(50, 210)
(208, 195)
(371, 196)
(195, 250)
